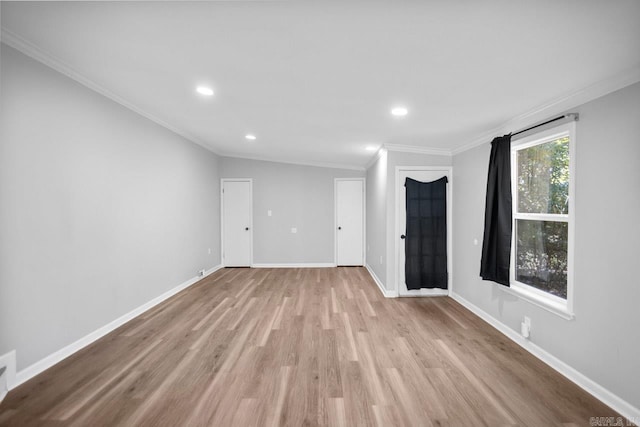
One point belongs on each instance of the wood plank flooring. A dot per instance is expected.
(300, 347)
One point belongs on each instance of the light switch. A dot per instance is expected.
(294, 230)
(475, 242)
(269, 212)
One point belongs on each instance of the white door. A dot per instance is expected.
(349, 221)
(423, 175)
(236, 223)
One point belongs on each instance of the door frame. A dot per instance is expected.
(222, 181)
(398, 232)
(335, 218)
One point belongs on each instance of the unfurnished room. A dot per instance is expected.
(320, 213)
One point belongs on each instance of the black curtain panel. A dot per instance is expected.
(496, 245)
(425, 243)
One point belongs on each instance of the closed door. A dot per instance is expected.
(349, 222)
(236, 223)
(421, 175)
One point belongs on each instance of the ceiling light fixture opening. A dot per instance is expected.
(371, 148)
(399, 111)
(250, 137)
(203, 90)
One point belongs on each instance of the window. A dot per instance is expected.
(543, 209)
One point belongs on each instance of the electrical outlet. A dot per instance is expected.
(201, 273)
(380, 259)
(525, 327)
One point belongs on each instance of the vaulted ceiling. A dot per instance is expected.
(315, 81)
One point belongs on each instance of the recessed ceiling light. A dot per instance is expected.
(250, 137)
(371, 148)
(399, 111)
(203, 90)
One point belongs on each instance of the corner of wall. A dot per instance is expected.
(8, 374)
(612, 400)
(387, 293)
(61, 354)
(377, 260)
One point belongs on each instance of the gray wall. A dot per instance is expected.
(298, 196)
(101, 210)
(602, 341)
(377, 217)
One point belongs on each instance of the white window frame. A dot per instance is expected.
(552, 303)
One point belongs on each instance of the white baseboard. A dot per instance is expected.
(296, 265)
(9, 376)
(618, 404)
(43, 364)
(425, 292)
(386, 293)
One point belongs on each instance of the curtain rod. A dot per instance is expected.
(573, 116)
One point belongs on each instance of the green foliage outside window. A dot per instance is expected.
(543, 187)
(543, 178)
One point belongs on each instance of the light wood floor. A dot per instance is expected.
(298, 347)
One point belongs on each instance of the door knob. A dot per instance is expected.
(246, 229)
(402, 236)
(339, 228)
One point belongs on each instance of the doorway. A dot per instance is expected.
(422, 174)
(237, 225)
(349, 221)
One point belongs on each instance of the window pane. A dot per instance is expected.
(543, 178)
(541, 255)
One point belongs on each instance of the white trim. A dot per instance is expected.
(418, 150)
(364, 218)
(222, 181)
(542, 217)
(558, 106)
(295, 265)
(386, 293)
(364, 221)
(8, 378)
(542, 302)
(294, 162)
(615, 402)
(47, 362)
(420, 293)
(398, 232)
(551, 303)
(17, 42)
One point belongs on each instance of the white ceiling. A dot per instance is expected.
(315, 80)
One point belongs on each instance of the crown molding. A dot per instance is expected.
(417, 150)
(15, 41)
(406, 149)
(295, 162)
(381, 151)
(557, 106)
